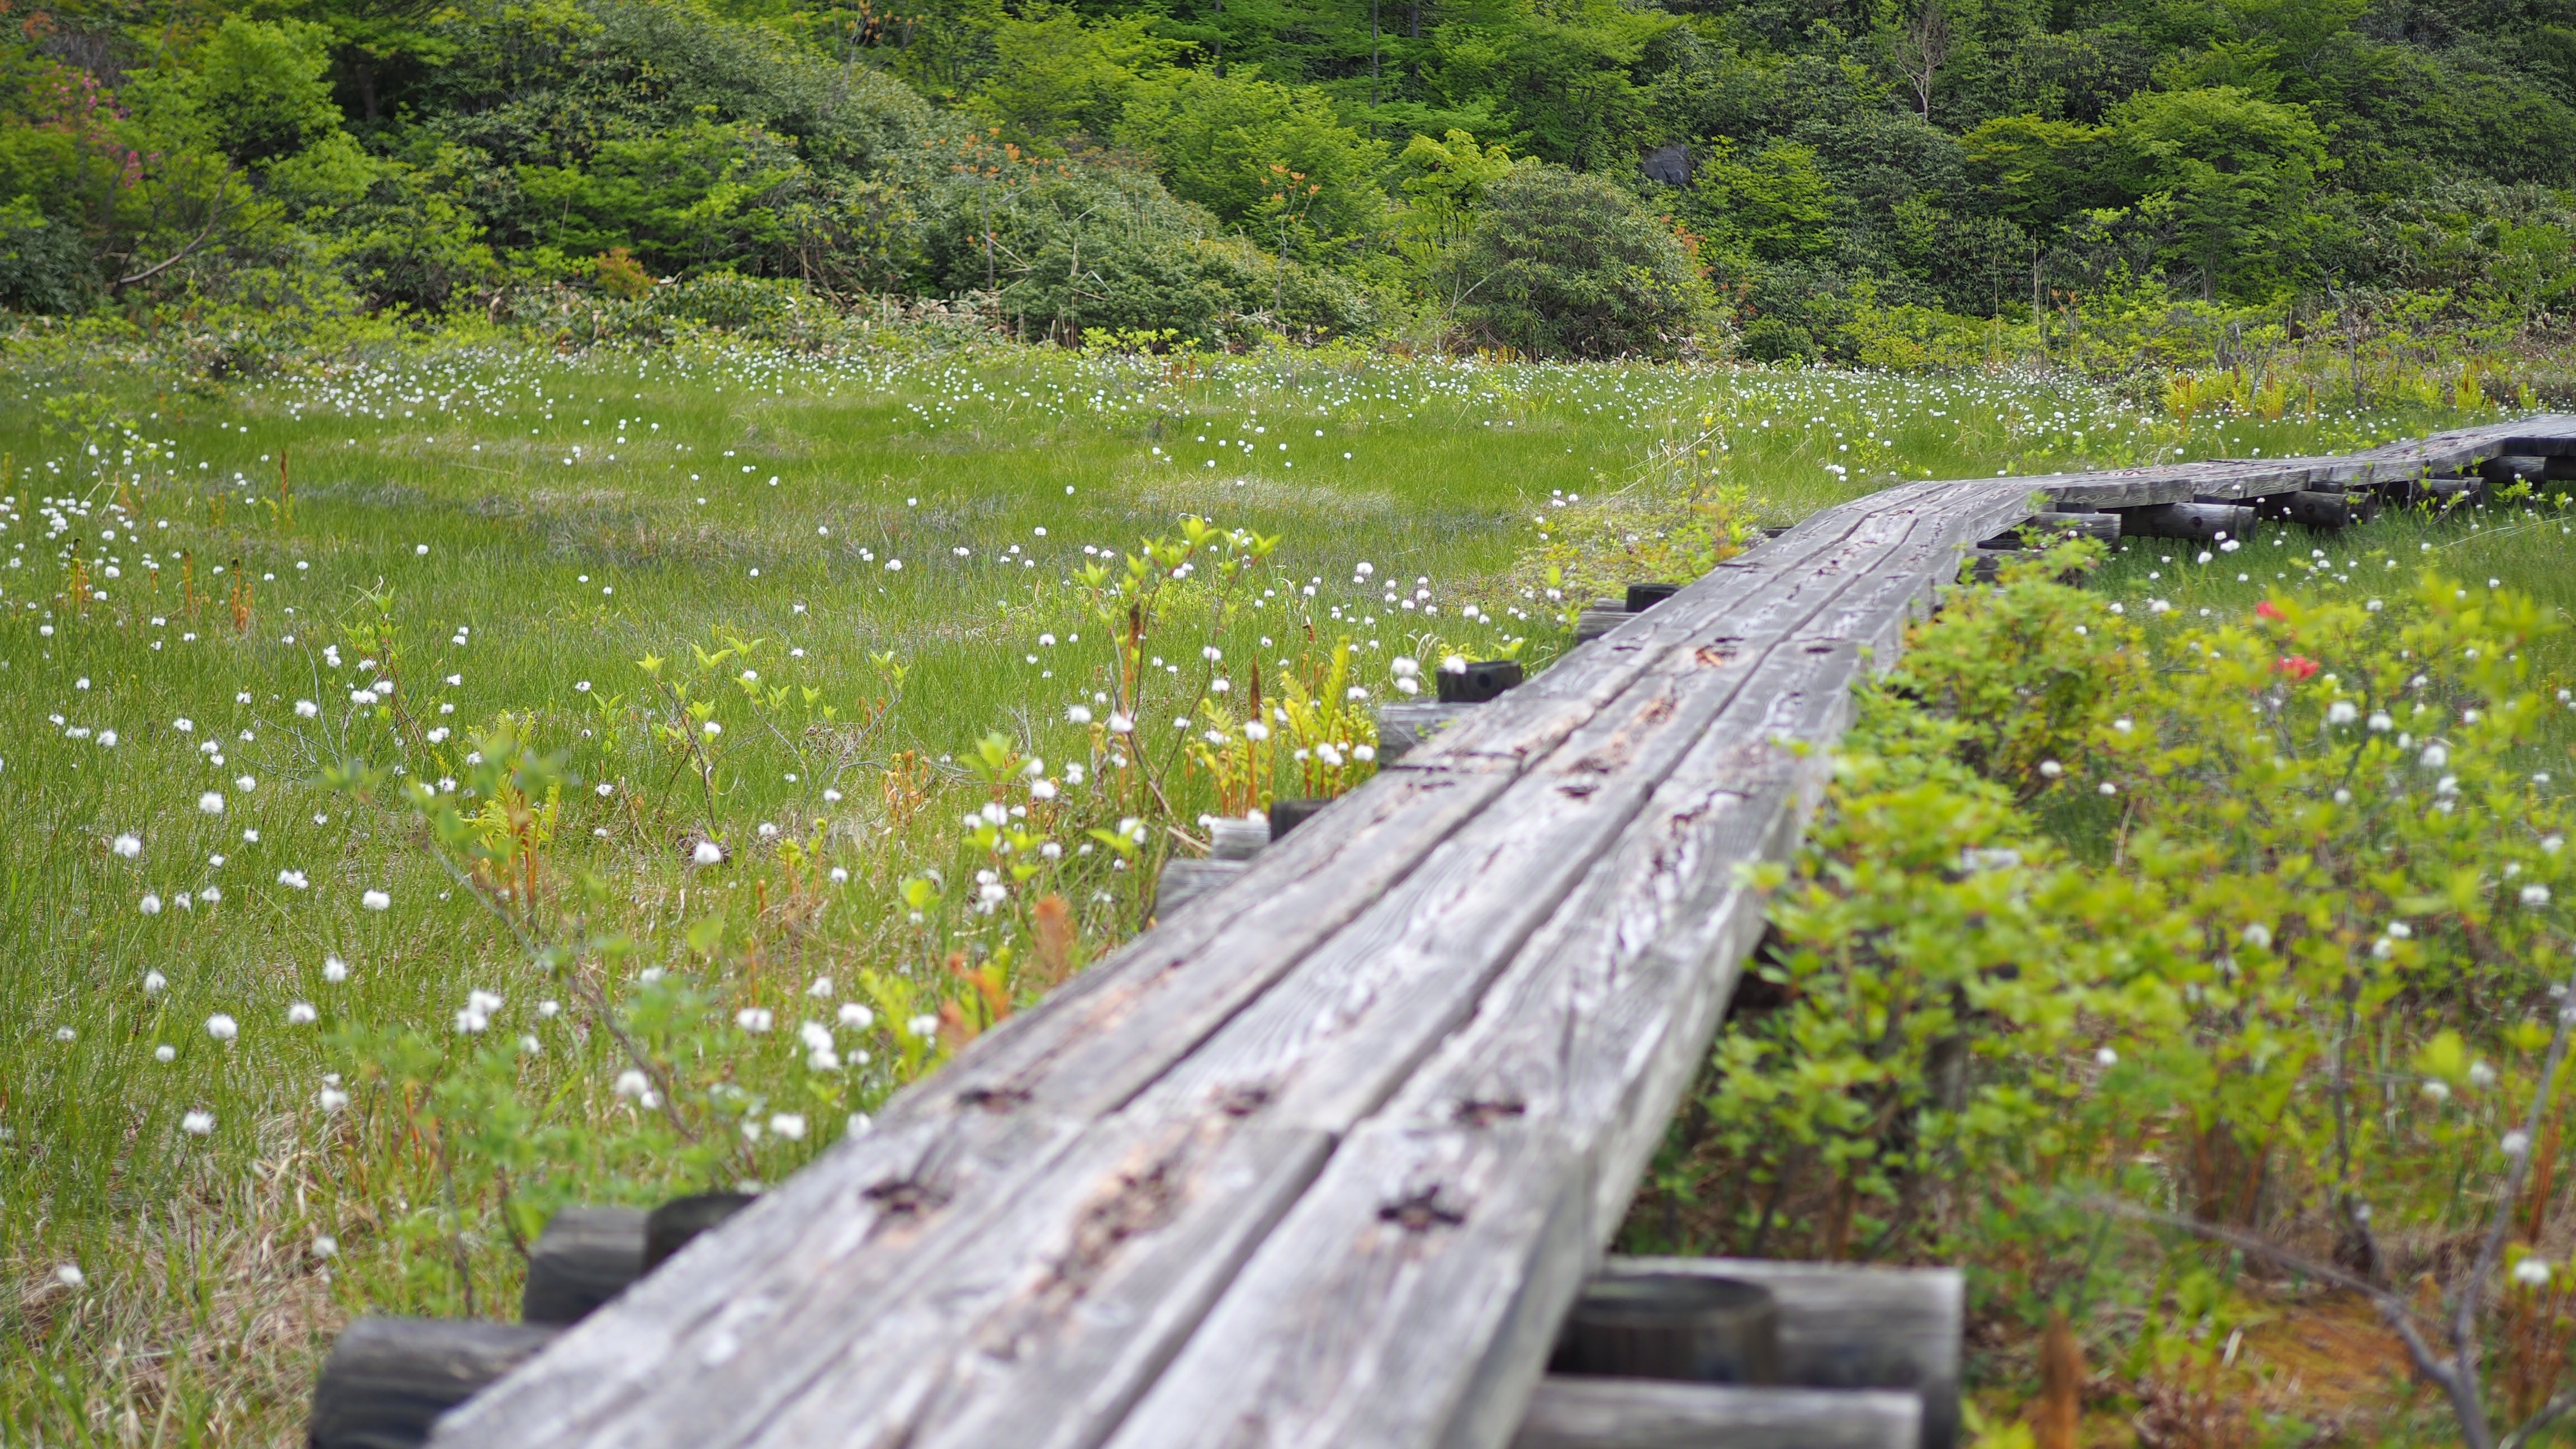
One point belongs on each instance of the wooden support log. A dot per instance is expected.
(670, 1227)
(1287, 815)
(2501, 471)
(1843, 1327)
(388, 1379)
(2329, 511)
(1184, 881)
(1572, 1413)
(1642, 597)
(1476, 683)
(1238, 838)
(2103, 526)
(1681, 1326)
(586, 1256)
(1400, 727)
(1598, 620)
(2187, 520)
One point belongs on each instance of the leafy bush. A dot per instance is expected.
(1561, 264)
(2251, 927)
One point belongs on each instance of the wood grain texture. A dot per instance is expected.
(1322, 1157)
(1573, 1413)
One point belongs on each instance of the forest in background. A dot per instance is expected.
(1890, 182)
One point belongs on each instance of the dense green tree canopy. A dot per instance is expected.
(1218, 167)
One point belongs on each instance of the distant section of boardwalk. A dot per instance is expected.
(1323, 1159)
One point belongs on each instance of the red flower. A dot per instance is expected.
(2297, 666)
(2269, 610)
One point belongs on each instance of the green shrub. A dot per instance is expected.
(2254, 926)
(1561, 264)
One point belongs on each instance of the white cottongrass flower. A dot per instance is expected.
(293, 879)
(2434, 757)
(840, 875)
(1042, 789)
(633, 1085)
(921, 1026)
(307, 709)
(197, 1123)
(2259, 936)
(300, 1013)
(70, 1275)
(790, 1125)
(150, 905)
(713, 729)
(821, 988)
(211, 803)
(1078, 714)
(2531, 1272)
(128, 846)
(549, 1009)
(2108, 788)
(2107, 1057)
(2515, 1143)
(165, 1053)
(331, 1099)
(856, 1017)
(222, 1027)
(753, 1019)
(376, 901)
(2380, 723)
(707, 853)
(1120, 724)
(334, 970)
(2535, 895)
(2342, 712)
(2051, 769)
(154, 983)
(2438, 1091)
(325, 1246)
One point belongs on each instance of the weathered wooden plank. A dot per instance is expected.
(1328, 1043)
(1085, 1052)
(1573, 1413)
(1427, 1224)
(1583, 1047)
(1844, 1326)
(856, 1228)
(1112, 1257)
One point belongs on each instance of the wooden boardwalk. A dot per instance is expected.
(1323, 1158)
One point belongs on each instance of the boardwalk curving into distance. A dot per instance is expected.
(1323, 1158)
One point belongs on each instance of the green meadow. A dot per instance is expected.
(285, 1043)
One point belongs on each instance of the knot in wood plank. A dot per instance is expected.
(1421, 1212)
